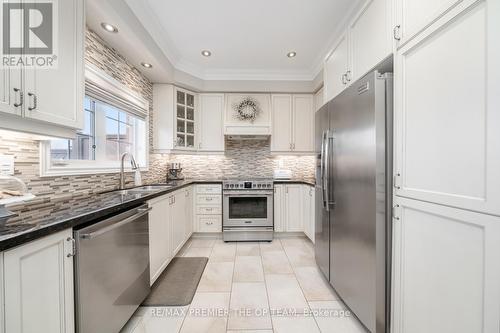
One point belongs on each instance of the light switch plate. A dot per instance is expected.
(7, 165)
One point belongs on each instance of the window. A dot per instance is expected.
(108, 133)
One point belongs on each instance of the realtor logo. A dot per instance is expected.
(29, 33)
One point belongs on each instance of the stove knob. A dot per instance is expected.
(268, 185)
(260, 185)
(232, 185)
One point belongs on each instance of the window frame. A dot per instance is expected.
(115, 90)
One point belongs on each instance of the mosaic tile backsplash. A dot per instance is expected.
(251, 159)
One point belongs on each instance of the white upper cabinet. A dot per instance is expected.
(293, 123)
(336, 68)
(281, 139)
(319, 99)
(48, 101)
(303, 123)
(445, 262)
(447, 112)
(211, 123)
(413, 16)
(370, 36)
(56, 95)
(174, 118)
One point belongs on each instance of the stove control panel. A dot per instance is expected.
(249, 185)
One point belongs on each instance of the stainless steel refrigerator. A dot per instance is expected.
(354, 197)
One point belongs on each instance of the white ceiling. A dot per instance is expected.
(248, 39)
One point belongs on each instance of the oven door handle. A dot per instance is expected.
(248, 195)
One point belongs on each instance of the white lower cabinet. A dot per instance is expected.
(308, 196)
(294, 209)
(208, 208)
(160, 226)
(2, 302)
(446, 269)
(178, 220)
(170, 226)
(38, 285)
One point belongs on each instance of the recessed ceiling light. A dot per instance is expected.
(147, 65)
(291, 54)
(108, 27)
(206, 53)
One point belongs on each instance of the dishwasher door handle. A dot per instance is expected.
(141, 212)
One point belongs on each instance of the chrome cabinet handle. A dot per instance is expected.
(396, 32)
(73, 247)
(35, 102)
(21, 97)
(348, 76)
(344, 79)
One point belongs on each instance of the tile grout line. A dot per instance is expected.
(302, 290)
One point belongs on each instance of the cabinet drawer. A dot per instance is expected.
(209, 210)
(208, 189)
(209, 223)
(208, 199)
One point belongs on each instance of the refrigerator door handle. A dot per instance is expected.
(327, 171)
(322, 171)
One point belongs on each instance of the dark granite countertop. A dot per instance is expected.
(39, 219)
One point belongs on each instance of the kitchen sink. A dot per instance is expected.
(142, 189)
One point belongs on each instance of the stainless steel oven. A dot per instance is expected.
(248, 210)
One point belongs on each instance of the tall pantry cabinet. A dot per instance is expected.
(446, 237)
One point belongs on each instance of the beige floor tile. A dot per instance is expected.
(314, 284)
(248, 269)
(285, 293)
(275, 245)
(276, 262)
(223, 252)
(202, 242)
(249, 308)
(217, 277)
(251, 331)
(294, 241)
(248, 249)
(198, 252)
(332, 317)
(207, 313)
(295, 324)
(300, 256)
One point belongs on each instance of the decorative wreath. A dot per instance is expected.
(247, 110)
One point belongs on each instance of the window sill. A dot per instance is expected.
(71, 171)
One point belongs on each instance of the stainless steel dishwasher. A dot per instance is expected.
(111, 271)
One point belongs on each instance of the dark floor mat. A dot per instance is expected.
(177, 285)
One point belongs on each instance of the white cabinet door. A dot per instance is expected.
(10, 78)
(160, 248)
(211, 122)
(279, 203)
(303, 123)
(178, 221)
(371, 37)
(38, 285)
(445, 262)
(294, 210)
(447, 131)
(309, 206)
(414, 16)
(2, 298)
(56, 95)
(336, 67)
(188, 211)
(281, 139)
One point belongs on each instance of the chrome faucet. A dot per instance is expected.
(122, 171)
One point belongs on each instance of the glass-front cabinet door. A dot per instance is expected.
(185, 119)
